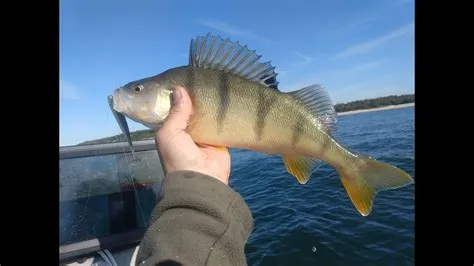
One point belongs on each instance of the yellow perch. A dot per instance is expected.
(236, 106)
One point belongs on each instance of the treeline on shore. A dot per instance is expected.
(375, 102)
(136, 135)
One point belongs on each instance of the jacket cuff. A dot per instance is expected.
(194, 187)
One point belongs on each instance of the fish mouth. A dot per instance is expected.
(114, 104)
(116, 101)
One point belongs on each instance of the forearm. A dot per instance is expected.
(198, 221)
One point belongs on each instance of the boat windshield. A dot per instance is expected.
(102, 194)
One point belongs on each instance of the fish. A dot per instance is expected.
(122, 122)
(237, 104)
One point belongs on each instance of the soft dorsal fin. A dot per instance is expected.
(231, 57)
(317, 100)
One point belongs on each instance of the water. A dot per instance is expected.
(316, 223)
(312, 224)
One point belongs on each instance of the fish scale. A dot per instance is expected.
(237, 104)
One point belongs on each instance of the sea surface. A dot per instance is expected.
(311, 224)
(316, 223)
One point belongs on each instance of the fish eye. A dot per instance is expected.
(137, 88)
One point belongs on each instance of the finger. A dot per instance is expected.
(179, 114)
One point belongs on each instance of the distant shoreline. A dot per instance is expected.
(147, 133)
(398, 106)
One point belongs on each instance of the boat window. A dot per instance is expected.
(106, 195)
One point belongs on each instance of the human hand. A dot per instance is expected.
(179, 151)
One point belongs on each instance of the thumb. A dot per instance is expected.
(180, 111)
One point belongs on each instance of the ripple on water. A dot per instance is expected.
(292, 220)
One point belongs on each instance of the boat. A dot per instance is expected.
(106, 199)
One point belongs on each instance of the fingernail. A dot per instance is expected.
(177, 95)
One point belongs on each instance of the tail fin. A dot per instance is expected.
(368, 178)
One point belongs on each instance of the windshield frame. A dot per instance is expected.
(115, 240)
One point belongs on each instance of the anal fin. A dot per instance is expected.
(301, 167)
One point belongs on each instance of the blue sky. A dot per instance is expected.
(357, 49)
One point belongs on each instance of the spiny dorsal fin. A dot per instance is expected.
(317, 100)
(301, 167)
(231, 57)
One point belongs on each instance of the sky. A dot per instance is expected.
(356, 49)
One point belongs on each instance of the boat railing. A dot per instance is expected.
(67, 152)
(95, 176)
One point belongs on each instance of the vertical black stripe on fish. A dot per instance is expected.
(190, 78)
(265, 103)
(298, 128)
(223, 89)
(193, 89)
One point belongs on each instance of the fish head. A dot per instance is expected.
(146, 101)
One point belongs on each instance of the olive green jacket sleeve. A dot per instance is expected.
(198, 221)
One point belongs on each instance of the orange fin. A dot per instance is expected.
(221, 148)
(301, 167)
(363, 183)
